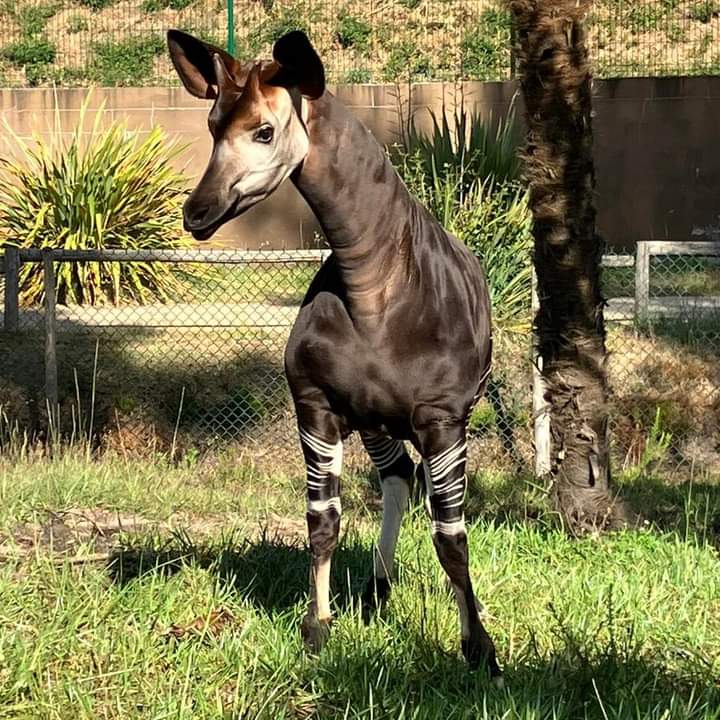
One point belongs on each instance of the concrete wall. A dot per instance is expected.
(656, 146)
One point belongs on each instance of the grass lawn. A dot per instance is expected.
(195, 611)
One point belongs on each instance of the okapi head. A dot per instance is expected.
(258, 134)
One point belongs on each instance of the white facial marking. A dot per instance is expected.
(260, 167)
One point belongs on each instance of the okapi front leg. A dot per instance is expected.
(445, 452)
(323, 459)
(396, 470)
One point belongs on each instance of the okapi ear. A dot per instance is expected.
(299, 65)
(193, 60)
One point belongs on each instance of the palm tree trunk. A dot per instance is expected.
(556, 84)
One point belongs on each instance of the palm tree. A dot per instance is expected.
(556, 85)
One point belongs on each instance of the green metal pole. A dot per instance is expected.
(230, 27)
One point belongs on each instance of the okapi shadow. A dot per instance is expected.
(562, 683)
(269, 571)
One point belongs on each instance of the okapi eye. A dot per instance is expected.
(264, 134)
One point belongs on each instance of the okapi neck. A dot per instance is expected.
(364, 208)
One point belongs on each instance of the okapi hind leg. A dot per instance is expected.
(323, 459)
(396, 472)
(444, 450)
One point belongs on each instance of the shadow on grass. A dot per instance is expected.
(210, 382)
(403, 666)
(558, 685)
(690, 509)
(595, 672)
(271, 572)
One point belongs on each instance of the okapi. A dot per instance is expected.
(393, 338)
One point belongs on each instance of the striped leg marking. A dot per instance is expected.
(323, 462)
(396, 470)
(383, 450)
(324, 465)
(446, 484)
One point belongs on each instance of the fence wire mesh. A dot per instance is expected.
(113, 42)
(206, 370)
(663, 322)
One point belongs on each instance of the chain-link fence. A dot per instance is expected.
(112, 42)
(201, 372)
(663, 321)
(206, 369)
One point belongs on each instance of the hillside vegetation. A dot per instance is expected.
(120, 42)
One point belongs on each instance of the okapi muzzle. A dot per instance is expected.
(255, 122)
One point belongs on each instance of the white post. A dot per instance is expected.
(541, 414)
(51, 373)
(642, 280)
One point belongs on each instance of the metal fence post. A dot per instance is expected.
(642, 279)
(230, 27)
(12, 289)
(51, 374)
(541, 416)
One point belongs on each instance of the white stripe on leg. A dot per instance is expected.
(396, 493)
(320, 589)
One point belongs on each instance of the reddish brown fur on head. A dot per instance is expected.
(258, 134)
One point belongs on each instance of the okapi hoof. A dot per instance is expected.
(479, 651)
(375, 597)
(315, 632)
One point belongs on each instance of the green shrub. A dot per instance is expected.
(76, 24)
(676, 33)
(30, 51)
(36, 75)
(495, 222)
(280, 23)
(35, 54)
(96, 4)
(155, 5)
(33, 18)
(647, 17)
(484, 49)
(105, 189)
(406, 62)
(353, 32)
(482, 418)
(128, 62)
(357, 76)
(469, 149)
(67, 75)
(704, 11)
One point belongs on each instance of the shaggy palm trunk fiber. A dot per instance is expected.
(556, 84)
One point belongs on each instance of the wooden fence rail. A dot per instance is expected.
(645, 251)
